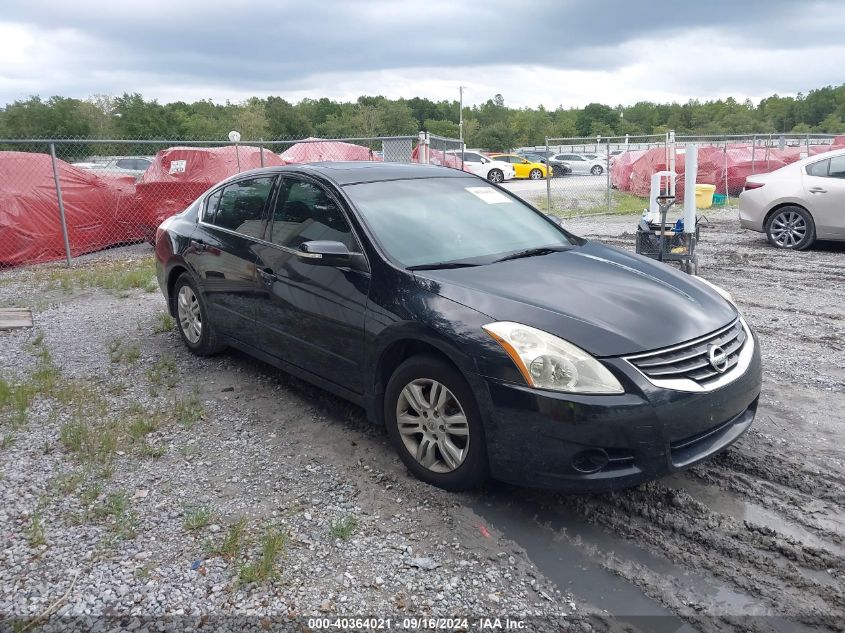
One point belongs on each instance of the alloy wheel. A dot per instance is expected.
(432, 425)
(188, 311)
(788, 229)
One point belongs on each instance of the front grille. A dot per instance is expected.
(690, 360)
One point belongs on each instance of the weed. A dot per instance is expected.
(343, 528)
(163, 323)
(118, 352)
(114, 511)
(67, 483)
(35, 531)
(7, 440)
(118, 277)
(272, 545)
(152, 450)
(197, 517)
(144, 570)
(233, 541)
(188, 410)
(163, 374)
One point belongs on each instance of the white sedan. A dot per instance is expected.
(492, 170)
(582, 164)
(797, 203)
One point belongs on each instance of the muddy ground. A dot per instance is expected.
(753, 540)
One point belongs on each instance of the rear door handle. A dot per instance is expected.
(817, 190)
(267, 274)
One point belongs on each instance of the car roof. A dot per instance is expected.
(354, 172)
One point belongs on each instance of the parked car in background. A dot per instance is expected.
(558, 168)
(798, 203)
(580, 164)
(492, 170)
(523, 167)
(128, 165)
(487, 339)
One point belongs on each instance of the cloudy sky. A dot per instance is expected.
(555, 52)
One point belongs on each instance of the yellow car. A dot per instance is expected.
(522, 167)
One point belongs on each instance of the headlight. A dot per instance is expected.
(725, 294)
(549, 362)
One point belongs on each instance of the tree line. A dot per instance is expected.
(491, 125)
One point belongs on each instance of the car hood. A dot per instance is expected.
(604, 300)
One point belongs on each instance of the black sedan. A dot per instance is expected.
(490, 341)
(559, 168)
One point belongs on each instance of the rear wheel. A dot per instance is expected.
(495, 175)
(535, 174)
(195, 328)
(434, 424)
(791, 227)
(597, 170)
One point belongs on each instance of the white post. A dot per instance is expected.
(690, 173)
(671, 165)
(461, 122)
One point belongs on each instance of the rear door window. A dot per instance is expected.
(818, 169)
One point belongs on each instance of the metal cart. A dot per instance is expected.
(661, 242)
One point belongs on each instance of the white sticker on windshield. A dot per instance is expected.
(488, 194)
(178, 166)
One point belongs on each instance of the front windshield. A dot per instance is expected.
(430, 221)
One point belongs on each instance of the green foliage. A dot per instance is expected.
(343, 528)
(491, 125)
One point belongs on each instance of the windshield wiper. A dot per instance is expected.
(531, 252)
(441, 265)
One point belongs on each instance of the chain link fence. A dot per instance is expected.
(600, 175)
(62, 198)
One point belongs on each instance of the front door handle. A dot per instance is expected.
(198, 245)
(817, 190)
(267, 274)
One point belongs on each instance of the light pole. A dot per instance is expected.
(235, 137)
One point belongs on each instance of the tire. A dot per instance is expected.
(597, 170)
(495, 175)
(462, 465)
(192, 314)
(791, 227)
(535, 174)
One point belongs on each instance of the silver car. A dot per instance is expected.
(581, 164)
(797, 203)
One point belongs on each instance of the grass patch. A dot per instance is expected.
(118, 352)
(35, 531)
(117, 276)
(344, 528)
(568, 206)
(263, 569)
(163, 323)
(232, 545)
(188, 410)
(114, 512)
(163, 373)
(197, 517)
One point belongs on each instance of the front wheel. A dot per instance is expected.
(535, 174)
(495, 175)
(434, 423)
(791, 227)
(597, 170)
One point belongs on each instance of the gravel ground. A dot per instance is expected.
(221, 487)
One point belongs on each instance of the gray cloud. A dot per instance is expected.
(284, 46)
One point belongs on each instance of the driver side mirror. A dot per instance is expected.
(325, 253)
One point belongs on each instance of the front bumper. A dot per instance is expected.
(553, 440)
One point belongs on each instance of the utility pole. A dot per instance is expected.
(461, 121)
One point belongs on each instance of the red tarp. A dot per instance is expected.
(98, 209)
(436, 157)
(317, 150)
(179, 175)
(622, 167)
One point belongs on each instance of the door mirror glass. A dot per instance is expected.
(325, 252)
